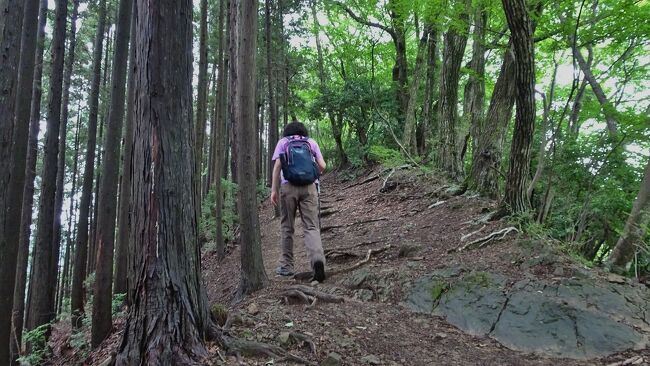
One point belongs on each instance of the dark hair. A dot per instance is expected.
(295, 128)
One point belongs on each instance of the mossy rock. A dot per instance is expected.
(219, 314)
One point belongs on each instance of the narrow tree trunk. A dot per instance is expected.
(430, 94)
(408, 137)
(13, 42)
(63, 137)
(253, 276)
(165, 327)
(220, 132)
(122, 258)
(336, 128)
(81, 251)
(521, 30)
(634, 229)
(67, 267)
(608, 109)
(107, 208)
(202, 99)
(42, 311)
(273, 108)
(400, 71)
(233, 45)
(448, 159)
(474, 106)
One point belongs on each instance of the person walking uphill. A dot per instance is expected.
(298, 165)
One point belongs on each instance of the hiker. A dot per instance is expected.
(298, 165)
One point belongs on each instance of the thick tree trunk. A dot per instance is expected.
(107, 208)
(253, 276)
(521, 30)
(273, 107)
(634, 229)
(169, 317)
(18, 115)
(400, 71)
(42, 311)
(486, 160)
(28, 190)
(81, 247)
(122, 250)
(63, 138)
(448, 159)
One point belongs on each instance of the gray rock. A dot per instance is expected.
(332, 359)
(364, 295)
(371, 360)
(284, 338)
(578, 318)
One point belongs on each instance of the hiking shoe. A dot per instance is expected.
(319, 271)
(283, 272)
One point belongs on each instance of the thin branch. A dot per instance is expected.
(358, 19)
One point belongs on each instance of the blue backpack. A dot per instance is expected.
(298, 165)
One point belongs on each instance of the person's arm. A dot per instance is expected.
(275, 183)
(321, 164)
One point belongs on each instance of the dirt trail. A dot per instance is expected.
(415, 228)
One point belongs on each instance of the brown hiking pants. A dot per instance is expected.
(305, 200)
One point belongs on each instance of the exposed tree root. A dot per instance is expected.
(482, 242)
(309, 295)
(467, 236)
(241, 347)
(328, 212)
(334, 254)
(636, 360)
(367, 180)
(370, 253)
(327, 228)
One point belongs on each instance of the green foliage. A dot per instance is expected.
(386, 156)
(37, 339)
(117, 305)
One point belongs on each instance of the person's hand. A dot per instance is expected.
(274, 198)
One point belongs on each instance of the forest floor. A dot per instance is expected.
(411, 227)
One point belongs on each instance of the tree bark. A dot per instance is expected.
(42, 311)
(474, 103)
(608, 109)
(63, 137)
(67, 273)
(521, 30)
(14, 122)
(634, 229)
(253, 275)
(81, 252)
(122, 281)
(455, 41)
(409, 140)
(169, 318)
(429, 109)
(221, 106)
(202, 97)
(102, 314)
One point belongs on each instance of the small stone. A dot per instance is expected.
(253, 309)
(107, 362)
(371, 360)
(440, 336)
(314, 283)
(332, 359)
(614, 278)
(559, 271)
(364, 295)
(284, 338)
